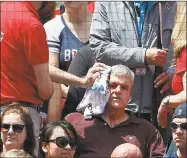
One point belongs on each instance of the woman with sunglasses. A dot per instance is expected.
(17, 130)
(58, 139)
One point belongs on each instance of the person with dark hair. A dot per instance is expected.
(46, 11)
(66, 34)
(81, 63)
(58, 139)
(17, 129)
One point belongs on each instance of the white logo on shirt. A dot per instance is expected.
(2, 35)
(68, 54)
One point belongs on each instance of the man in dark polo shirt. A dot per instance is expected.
(100, 136)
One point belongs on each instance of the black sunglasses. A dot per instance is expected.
(17, 128)
(62, 142)
(174, 125)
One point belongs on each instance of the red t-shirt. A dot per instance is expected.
(177, 85)
(23, 44)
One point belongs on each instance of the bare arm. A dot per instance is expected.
(60, 76)
(44, 83)
(54, 108)
(177, 99)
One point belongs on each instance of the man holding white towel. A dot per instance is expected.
(100, 136)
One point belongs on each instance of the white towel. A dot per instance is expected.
(96, 97)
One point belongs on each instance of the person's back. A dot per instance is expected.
(21, 31)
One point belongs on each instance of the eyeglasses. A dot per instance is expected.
(174, 125)
(17, 128)
(62, 142)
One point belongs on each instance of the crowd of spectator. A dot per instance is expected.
(123, 63)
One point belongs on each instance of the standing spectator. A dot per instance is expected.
(58, 139)
(128, 33)
(179, 78)
(17, 130)
(66, 34)
(23, 58)
(46, 11)
(100, 136)
(82, 62)
(24, 55)
(179, 128)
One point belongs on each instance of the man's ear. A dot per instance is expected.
(44, 147)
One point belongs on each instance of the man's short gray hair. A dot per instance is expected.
(122, 70)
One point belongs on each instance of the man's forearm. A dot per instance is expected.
(62, 77)
(55, 105)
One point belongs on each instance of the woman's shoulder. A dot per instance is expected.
(55, 24)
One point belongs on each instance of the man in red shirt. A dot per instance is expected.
(24, 54)
(24, 59)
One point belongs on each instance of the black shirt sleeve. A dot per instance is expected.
(74, 97)
(82, 62)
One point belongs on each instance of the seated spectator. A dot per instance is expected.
(17, 130)
(58, 139)
(179, 127)
(17, 153)
(126, 150)
(99, 137)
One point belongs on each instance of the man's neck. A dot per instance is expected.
(37, 5)
(114, 117)
(181, 153)
(78, 16)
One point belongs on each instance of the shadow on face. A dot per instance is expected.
(179, 134)
(58, 145)
(13, 131)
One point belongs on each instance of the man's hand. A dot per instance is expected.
(93, 73)
(162, 114)
(156, 57)
(161, 79)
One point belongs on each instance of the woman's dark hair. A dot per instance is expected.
(47, 131)
(46, 11)
(29, 143)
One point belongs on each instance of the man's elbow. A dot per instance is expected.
(46, 94)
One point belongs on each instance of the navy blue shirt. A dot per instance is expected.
(61, 40)
(171, 155)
